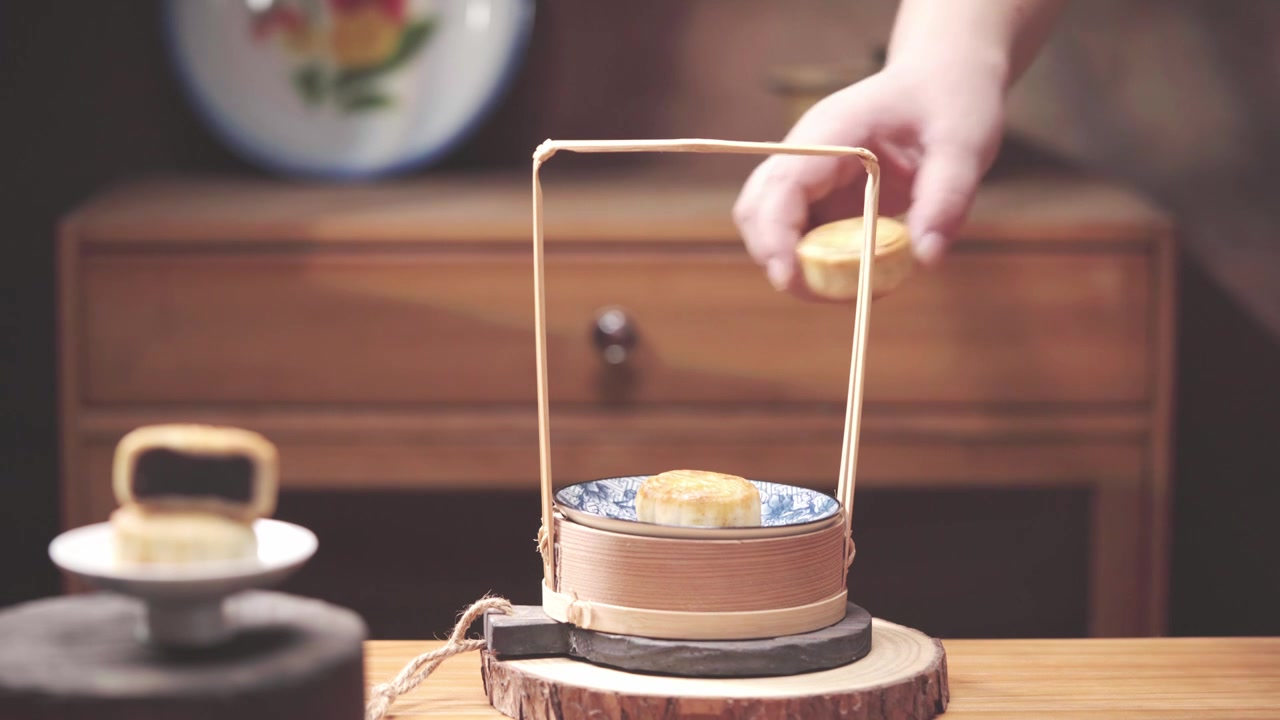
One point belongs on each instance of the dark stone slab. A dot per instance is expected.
(527, 632)
(530, 633)
(79, 657)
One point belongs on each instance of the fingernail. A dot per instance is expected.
(779, 277)
(929, 248)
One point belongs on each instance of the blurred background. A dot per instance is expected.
(1070, 428)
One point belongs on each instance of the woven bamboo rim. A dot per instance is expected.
(674, 625)
(600, 566)
(659, 623)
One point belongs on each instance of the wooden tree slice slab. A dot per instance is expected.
(904, 677)
(79, 657)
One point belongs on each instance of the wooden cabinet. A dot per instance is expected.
(395, 329)
(382, 336)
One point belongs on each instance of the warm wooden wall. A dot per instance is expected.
(1181, 98)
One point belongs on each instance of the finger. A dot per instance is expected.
(843, 202)
(746, 208)
(777, 203)
(942, 197)
(773, 210)
(848, 201)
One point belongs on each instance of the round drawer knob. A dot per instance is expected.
(614, 335)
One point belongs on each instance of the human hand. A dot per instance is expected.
(935, 134)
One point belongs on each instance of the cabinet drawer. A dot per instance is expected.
(474, 451)
(400, 328)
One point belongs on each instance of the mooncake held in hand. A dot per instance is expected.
(830, 258)
(698, 498)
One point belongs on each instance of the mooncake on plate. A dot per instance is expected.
(698, 498)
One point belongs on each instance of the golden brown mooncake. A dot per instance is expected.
(143, 537)
(830, 258)
(698, 498)
(190, 493)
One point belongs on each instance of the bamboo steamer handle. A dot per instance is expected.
(853, 407)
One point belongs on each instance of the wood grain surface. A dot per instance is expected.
(699, 575)
(1127, 679)
(401, 328)
(651, 207)
(904, 677)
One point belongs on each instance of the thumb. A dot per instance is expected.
(941, 198)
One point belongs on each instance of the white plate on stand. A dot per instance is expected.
(184, 601)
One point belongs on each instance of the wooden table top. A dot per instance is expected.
(1166, 678)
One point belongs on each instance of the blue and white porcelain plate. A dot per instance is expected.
(610, 504)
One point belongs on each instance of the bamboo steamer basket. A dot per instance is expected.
(689, 588)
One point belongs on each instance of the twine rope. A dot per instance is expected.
(544, 544)
(419, 668)
(849, 551)
(579, 611)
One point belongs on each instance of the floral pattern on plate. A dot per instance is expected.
(780, 505)
(342, 48)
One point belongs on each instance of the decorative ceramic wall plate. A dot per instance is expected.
(346, 89)
(609, 504)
